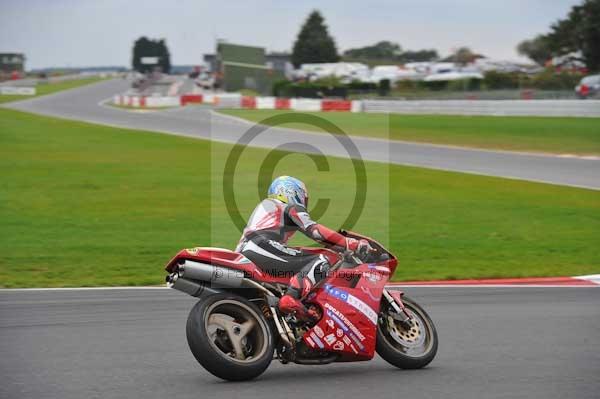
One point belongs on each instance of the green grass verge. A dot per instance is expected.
(87, 205)
(49, 88)
(553, 135)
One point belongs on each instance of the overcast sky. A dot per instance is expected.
(101, 32)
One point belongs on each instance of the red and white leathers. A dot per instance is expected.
(264, 242)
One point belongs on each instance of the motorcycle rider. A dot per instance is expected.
(264, 241)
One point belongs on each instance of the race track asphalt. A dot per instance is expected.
(494, 343)
(198, 121)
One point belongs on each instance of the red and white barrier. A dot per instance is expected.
(236, 100)
(208, 98)
(283, 103)
(191, 99)
(301, 104)
(248, 102)
(305, 104)
(357, 106)
(146, 101)
(227, 100)
(265, 102)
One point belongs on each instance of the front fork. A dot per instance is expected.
(394, 298)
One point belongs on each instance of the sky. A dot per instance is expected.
(77, 33)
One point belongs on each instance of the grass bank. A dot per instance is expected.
(88, 205)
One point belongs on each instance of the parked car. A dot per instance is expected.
(589, 87)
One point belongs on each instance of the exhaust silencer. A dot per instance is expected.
(215, 275)
(189, 287)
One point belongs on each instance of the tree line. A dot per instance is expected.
(577, 35)
(314, 44)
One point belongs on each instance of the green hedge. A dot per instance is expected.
(327, 87)
(549, 79)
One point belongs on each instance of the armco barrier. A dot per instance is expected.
(584, 108)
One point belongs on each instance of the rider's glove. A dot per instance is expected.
(361, 246)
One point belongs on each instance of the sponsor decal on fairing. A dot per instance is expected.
(339, 333)
(343, 321)
(383, 269)
(363, 308)
(317, 340)
(318, 331)
(353, 301)
(373, 277)
(356, 341)
(193, 251)
(369, 293)
(338, 346)
(330, 324)
(330, 339)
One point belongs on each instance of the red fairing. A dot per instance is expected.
(350, 311)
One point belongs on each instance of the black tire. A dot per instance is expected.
(405, 356)
(209, 347)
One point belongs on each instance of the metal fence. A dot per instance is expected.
(579, 108)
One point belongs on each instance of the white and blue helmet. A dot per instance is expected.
(289, 190)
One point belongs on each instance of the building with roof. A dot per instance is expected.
(11, 65)
(238, 67)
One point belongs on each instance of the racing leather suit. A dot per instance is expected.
(264, 242)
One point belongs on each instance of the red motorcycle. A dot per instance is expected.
(235, 329)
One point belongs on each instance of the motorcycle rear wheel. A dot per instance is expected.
(406, 347)
(229, 336)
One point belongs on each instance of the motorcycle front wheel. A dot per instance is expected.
(229, 336)
(408, 345)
